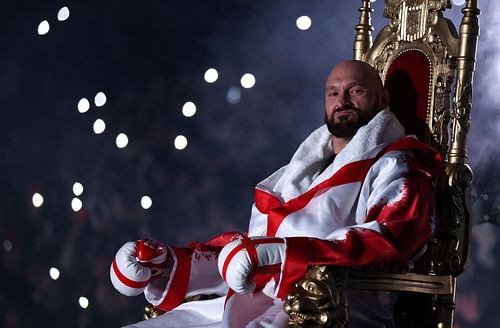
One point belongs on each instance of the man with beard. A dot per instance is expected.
(356, 193)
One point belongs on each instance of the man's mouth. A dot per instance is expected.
(341, 111)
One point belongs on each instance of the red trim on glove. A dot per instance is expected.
(249, 245)
(179, 284)
(126, 281)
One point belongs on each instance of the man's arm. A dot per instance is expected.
(394, 223)
(395, 226)
(184, 272)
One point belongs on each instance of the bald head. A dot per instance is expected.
(354, 95)
(357, 70)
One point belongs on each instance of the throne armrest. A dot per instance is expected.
(318, 299)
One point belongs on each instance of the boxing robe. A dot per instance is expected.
(370, 205)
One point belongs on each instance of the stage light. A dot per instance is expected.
(7, 245)
(100, 99)
(233, 95)
(83, 105)
(180, 142)
(189, 109)
(77, 188)
(76, 204)
(211, 75)
(84, 302)
(63, 14)
(146, 202)
(121, 140)
(303, 23)
(43, 27)
(54, 273)
(37, 200)
(99, 126)
(458, 2)
(247, 80)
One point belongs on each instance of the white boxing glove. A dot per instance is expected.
(241, 259)
(136, 263)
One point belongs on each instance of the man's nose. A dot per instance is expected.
(343, 100)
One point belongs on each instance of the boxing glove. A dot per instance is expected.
(136, 263)
(240, 260)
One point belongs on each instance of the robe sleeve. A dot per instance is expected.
(194, 272)
(396, 221)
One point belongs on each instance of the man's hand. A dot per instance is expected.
(242, 259)
(136, 263)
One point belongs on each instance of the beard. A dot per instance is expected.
(347, 126)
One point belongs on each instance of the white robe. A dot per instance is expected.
(371, 206)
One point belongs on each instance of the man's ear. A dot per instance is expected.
(384, 98)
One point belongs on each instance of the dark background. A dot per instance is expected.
(149, 58)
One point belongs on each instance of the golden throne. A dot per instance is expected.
(421, 58)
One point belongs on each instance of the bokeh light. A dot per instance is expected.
(76, 204)
(100, 99)
(63, 14)
(83, 105)
(121, 140)
(247, 80)
(37, 199)
(54, 273)
(233, 95)
(77, 188)
(7, 245)
(458, 2)
(99, 126)
(180, 142)
(211, 75)
(189, 109)
(43, 27)
(146, 202)
(303, 23)
(84, 302)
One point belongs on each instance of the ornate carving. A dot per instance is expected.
(413, 17)
(444, 69)
(317, 301)
(450, 254)
(151, 312)
(441, 116)
(413, 20)
(461, 116)
(381, 61)
(392, 7)
(363, 38)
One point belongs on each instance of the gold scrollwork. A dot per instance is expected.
(151, 312)
(381, 61)
(441, 117)
(461, 116)
(442, 89)
(317, 301)
(417, 15)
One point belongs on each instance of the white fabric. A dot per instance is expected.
(239, 265)
(129, 267)
(303, 171)
(326, 216)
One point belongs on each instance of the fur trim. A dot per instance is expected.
(303, 171)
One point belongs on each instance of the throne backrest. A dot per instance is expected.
(428, 68)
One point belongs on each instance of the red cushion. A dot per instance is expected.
(408, 80)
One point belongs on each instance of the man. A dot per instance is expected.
(356, 193)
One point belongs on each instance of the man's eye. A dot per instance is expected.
(356, 91)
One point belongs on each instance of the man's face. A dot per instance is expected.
(352, 99)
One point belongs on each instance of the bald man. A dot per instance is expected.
(356, 193)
